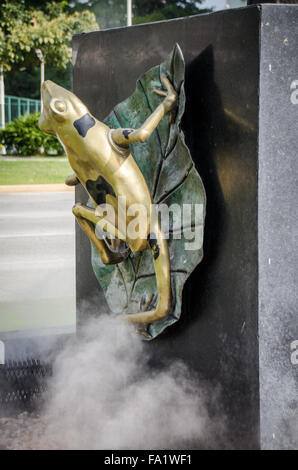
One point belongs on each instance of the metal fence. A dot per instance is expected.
(22, 384)
(16, 107)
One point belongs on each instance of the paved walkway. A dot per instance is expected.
(37, 256)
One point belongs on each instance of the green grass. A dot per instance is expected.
(33, 172)
(55, 157)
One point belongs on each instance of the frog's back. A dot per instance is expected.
(106, 170)
(129, 181)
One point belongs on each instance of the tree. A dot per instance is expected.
(13, 41)
(23, 30)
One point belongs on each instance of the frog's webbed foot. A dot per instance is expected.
(117, 246)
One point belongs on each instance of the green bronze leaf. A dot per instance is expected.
(168, 168)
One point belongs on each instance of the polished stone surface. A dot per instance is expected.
(278, 228)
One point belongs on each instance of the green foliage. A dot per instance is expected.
(23, 137)
(13, 17)
(53, 34)
(24, 29)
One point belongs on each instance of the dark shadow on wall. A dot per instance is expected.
(203, 124)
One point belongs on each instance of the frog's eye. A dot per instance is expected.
(58, 108)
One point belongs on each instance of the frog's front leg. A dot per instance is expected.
(72, 180)
(125, 137)
(87, 219)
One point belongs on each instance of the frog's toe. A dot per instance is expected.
(117, 246)
(143, 331)
(72, 180)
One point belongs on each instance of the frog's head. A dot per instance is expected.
(61, 110)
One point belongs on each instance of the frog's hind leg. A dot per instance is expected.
(161, 260)
(87, 219)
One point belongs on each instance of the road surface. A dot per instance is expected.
(37, 261)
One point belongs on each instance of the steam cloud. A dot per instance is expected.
(104, 395)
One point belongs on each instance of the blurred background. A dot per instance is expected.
(35, 24)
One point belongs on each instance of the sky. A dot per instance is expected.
(217, 4)
(222, 4)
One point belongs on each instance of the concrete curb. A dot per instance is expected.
(29, 188)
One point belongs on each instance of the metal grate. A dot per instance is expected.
(23, 383)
